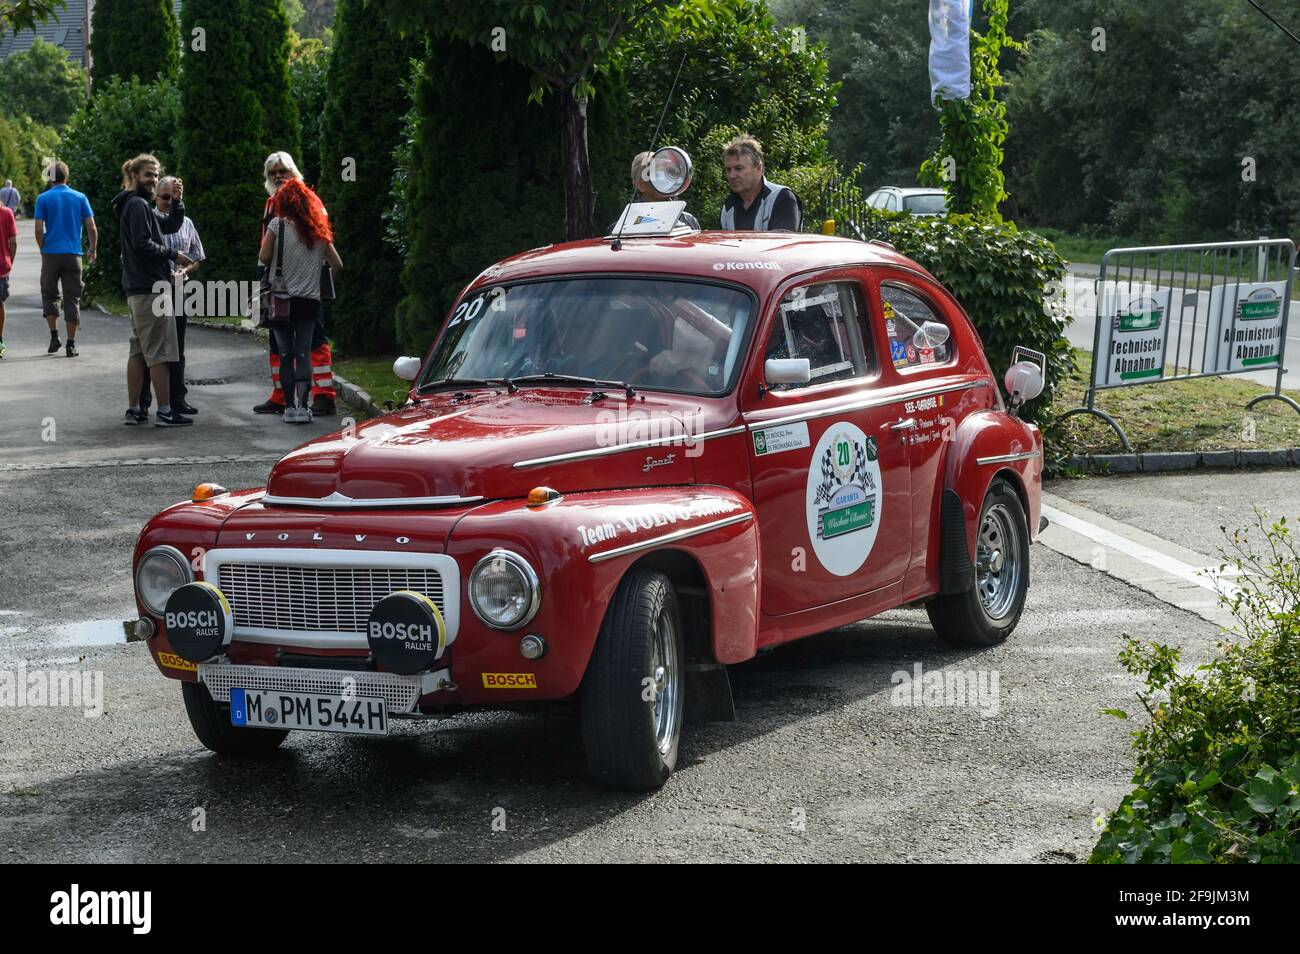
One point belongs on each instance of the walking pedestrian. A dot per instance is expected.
(61, 213)
(301, 229)
(280, 168)
(146, 266)
(185, 239)
(755, 203)
(10, 198)
(8, 249)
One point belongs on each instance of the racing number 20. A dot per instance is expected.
(467, 311)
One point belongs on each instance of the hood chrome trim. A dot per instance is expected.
(682, 439)
(342, 501)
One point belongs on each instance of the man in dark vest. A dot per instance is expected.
(755, 204)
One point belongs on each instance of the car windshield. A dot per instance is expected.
(651, 333)
(931, 203)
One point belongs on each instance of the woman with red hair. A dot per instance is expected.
(299, 221)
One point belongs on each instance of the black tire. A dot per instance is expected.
(620, 729)
(988, 610)
(211, 723)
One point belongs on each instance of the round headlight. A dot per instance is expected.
(670, 171)
(159, 574)
(503, 590)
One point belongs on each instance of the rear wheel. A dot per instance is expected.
(988, 610)
(211, 723)
(633, 693)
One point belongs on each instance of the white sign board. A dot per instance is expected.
(1246, 326)
(1134, 325)
(649, 218)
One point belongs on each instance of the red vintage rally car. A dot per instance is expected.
(623, 466)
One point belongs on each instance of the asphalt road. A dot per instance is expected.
(824, 763)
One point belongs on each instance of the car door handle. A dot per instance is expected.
(904, 424)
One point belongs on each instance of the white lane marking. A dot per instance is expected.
(1152, 558)
(145, 462)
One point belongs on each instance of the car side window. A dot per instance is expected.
(822, 323)
(905, 313)
(892, 204)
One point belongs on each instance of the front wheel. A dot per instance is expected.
(211, 723)
(633, 693)
(988, 610)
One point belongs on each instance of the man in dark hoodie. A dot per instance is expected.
(146, 279)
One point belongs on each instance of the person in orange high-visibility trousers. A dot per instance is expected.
(279, 167)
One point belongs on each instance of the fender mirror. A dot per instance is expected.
(787, 371)
(407, 368)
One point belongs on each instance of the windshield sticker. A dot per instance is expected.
(774, 440)
(843, 498)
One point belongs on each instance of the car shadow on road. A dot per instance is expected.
(477, 787)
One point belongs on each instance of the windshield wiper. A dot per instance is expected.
(468, 382)
(551, 377)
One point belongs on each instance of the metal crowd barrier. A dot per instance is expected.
(1224, 311)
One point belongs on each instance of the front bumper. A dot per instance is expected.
(400, 693)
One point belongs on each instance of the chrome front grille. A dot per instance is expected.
(313, 599)
(323, 598)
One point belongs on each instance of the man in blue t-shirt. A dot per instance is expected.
(60, 214)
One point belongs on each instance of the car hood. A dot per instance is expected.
(444, 452)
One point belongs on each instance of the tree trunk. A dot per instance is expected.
(579, 199)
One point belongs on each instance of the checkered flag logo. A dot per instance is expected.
(828, 479)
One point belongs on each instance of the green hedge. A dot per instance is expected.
(1218, 768)
(122, 120)
(1002, 277)
(139, 38)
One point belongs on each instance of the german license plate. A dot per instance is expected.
(269, 709)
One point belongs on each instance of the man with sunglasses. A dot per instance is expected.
(185, 240)
(279, 168)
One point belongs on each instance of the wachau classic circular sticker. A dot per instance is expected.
(844, 498)
(406, 632)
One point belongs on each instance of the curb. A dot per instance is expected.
(346, 389)
(1166, 462)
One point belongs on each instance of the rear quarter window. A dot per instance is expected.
(905, 312)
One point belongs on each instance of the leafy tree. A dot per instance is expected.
(34, 146)
(317, 19)
(739, 73)
(974, 129)
(364, 107)
(18, 15)
(478, 173)
(42, 83)
(563, 45)
(308, 67)
(222, 137)
(122, 120)
(134, 38)
(268, 40)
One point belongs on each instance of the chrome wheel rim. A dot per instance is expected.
(666, 673)
(999, 563)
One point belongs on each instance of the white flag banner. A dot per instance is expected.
(950, 49)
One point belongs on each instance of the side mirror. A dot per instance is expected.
(407, 368)
(931, 335)
(787, 371)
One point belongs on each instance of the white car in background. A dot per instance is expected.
(916, 201)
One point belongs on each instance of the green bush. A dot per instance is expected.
(1002, 277)
(25, 149)
(267, 32)
(123, 120)
(479, 176)
(223, 138)
(1218, 765)
(43, 84)
(139, 38)
(308, 66)
(366, 101)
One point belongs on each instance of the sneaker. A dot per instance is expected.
(185, 407)
(324, 406)
(173, 419)
(135, 417)
(297, 415)
(269, 407)
(2, 349)
(55, 344)
(71, 350)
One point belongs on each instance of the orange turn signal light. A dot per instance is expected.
(207, 492)
(540, 496)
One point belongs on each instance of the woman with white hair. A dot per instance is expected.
(279, 168)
